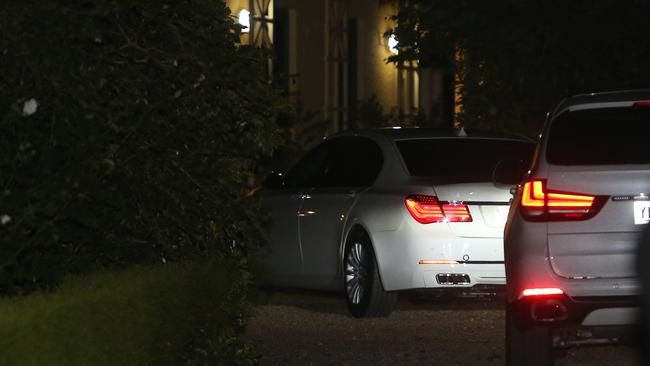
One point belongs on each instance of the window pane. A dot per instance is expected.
(356, 163)
(311, 169)
(600, 136)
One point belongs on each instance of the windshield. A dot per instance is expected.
(466, 159)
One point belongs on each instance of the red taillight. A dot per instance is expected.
(540, 203)
(644, 103)
(456, 212)
(541, 292)
(427, 209)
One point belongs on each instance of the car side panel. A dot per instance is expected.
(322, 219)
(284, 258)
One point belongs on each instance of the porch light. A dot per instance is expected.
(393, 44)
(245, 20)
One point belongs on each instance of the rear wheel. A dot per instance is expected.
(365, 294)
(531, 346)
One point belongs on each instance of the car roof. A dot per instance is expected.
(399, 133)
(619, 98)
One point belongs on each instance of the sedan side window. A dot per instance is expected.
(340, 162)
(355, 162)
(311, 169)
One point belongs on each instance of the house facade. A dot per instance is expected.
(330, 58)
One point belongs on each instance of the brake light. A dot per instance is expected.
(541, 292)
(644, 103)
(543, 204)
(427, 209)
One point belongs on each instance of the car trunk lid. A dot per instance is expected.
(488, 204)
(603, 246)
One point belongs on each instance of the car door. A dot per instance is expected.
(354, 165)
(284, 257)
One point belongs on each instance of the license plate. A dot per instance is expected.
(641, 212)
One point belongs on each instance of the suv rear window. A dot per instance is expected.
(464, 160)
(600, 136)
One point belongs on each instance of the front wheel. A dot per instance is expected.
(365, 294)
(530, 347)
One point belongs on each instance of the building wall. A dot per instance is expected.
(319, 84)
(376, 76)
(309, 53)
(318, 81)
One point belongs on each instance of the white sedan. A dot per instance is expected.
(381, 211)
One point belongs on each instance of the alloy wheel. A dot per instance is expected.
(356, 274)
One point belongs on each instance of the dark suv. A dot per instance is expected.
(572, 231)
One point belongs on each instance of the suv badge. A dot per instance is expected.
(621, 198)
(639, 197)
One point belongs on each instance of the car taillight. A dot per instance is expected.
(427, 209)
(540, 203)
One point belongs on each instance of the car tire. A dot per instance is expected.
(365, 294)
(531, 346)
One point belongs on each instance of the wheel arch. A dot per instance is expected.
(357, 227)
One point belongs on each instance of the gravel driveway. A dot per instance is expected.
(307, 328)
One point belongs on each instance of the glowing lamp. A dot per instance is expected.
(393, 44)
(245, 20)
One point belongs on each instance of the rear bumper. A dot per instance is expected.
(438, 276)
(434, 276)
(399, 254)
(565, 311)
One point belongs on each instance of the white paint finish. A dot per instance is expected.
(613, 316)
(399, 241)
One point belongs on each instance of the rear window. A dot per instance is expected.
(464, 160)
(600, 136)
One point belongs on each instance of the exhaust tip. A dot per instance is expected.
(548, 310)
(452, 279)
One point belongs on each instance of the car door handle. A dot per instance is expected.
(350, 195)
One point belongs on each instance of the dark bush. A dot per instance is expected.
(129, 130)
(190, 313)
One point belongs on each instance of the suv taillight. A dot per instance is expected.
(539, 203)
(427, 209)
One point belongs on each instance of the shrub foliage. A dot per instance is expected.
(129, 130)
(176, 314)
(517, 58)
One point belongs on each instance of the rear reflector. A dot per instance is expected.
(543, 204)
(529, 292)
(427, 209)
(437, 261)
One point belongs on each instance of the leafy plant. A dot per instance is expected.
(129, 130)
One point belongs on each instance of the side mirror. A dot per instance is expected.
(274, 180)
(509, 171)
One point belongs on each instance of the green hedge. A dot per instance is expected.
(130, 132)
(146, 316)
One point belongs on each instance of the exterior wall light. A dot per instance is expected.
(245, 20)
(393, 44)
